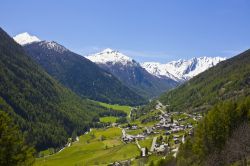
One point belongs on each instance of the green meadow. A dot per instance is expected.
(98, 147)
(146, 143)
(107, 119)
(116, 107)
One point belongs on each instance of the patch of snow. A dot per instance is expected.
(52, 45)
(25, 38)
(109, 56)
(159, 70)
(182, 69)
(179, 71)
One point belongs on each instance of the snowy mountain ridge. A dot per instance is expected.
(25, 38)
(181, 70)
(109, 56)
(131, 73)
(53, 45)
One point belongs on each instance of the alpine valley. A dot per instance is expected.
(117, 71)
(59, 108)
(150, 79)
(78, 73)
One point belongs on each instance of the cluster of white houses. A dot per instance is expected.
(166, 122)
(170, 125)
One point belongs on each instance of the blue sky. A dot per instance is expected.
(147, 30)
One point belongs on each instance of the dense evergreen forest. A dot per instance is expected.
(46, 111)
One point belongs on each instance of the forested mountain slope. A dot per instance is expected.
(80, 74)
(39, 105)
(229, 79)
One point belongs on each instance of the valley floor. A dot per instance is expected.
(134, 143)
(98, 147)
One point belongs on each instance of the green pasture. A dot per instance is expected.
(107, 119)
(116, 107)
(98, 147)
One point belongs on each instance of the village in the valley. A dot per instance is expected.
(169, 131)
(152, 135)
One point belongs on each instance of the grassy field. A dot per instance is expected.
(116, 107)
(46, 152)
(135, 132)
(148, 124)
(110, 119)
(99, 147)
(146, 143)
(104, 146)
(147, 160)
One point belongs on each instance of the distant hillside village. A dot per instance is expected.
(167, 133)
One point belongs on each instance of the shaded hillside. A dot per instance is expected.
(139, 80)
(39, 105)
(229, 79)
(81, 75)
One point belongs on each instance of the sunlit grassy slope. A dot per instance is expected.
(117, 107)
(110, 119)
(99, 147)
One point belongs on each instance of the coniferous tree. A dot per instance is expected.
(14, 151)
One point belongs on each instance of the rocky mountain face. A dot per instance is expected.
(132, 74)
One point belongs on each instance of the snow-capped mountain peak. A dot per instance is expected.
(182, 69)
(25, 38)
(52, 45)
(157, 69)
(110, 56)
(108, 50)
